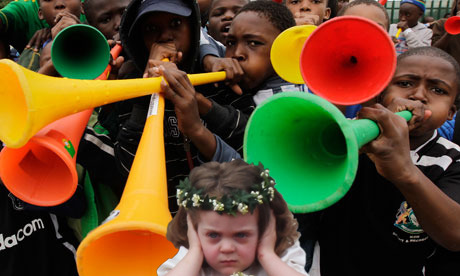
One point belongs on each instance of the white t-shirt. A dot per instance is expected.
(294, 256)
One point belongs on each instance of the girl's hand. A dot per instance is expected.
(268, 240)
(193, 239)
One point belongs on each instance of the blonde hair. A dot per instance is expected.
(218, 179)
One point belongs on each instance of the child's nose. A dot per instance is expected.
(305, 6)
(228, 15)
(239, 53)
(166, 36)
(59, 5)
(419, 94)
(227, 246)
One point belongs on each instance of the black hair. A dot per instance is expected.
(87, 8)
(369, 3)
(453, 9)
(429, 51)
(331, 4)
(278, 14)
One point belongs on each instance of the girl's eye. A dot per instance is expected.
(176, 22)
(241, 235)
(213, 235)
(293, 2)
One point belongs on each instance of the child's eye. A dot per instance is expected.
(293, 2)
(213, 235)
(439, 91)
(316, 1)
(105, 20)
(254, 43)
(176, 22)
(150, 28)
(229, 43)
(241, 235)
(404, 84)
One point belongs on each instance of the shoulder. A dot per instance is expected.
(440, 153)
(171, 263)
(295, 257)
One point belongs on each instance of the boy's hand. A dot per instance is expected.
(233, 70)
(402, 25)
(302, 18)
(115, 63)
(179, 90)
(419, 113)
(161, 51)
(153, 68)
(37, 40)
(63, 20)
(390, 152)
(268, 240)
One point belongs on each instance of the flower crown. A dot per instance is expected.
(236, 201)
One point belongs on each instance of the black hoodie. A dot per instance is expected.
(130, 131)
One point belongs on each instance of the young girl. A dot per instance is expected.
(231, 221)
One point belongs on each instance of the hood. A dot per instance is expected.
(133, 43)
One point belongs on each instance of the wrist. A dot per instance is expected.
(208, 61)
(204, 104)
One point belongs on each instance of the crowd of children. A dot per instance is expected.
(400, 217)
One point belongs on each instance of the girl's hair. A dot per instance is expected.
(218, 179)
(369, 3)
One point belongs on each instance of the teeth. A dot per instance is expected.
(226, 29)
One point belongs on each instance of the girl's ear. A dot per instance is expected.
(40, 14)
(327, 13)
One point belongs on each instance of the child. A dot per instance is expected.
(249, 41)
(404, 202)
(105, 15)
(221, 14)
(59, 14)
(311, 12)
(442, 39)
(369, 9)
(231, 220)
(413, 33)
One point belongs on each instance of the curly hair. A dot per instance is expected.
(279, 15)
(218, 179)
(435, 52)
(369, 3)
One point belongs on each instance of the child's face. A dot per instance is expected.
(50, 8)
(221, 15)
(105, 15)
(370, 12)
(163, 28)
(229, 242)
(341, 4)
(301, 8)
(430, 80)
(409, 13)
(249, 41)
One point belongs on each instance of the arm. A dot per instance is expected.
(46, 64)
(229, 121)
(437, 213)
(267, 257)
(191, 263)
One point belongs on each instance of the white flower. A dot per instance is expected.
(184, 203)
(218, 206)
(196, 200)
(271, 191)
(242, 208)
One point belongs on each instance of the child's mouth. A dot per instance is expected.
(225, 29)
